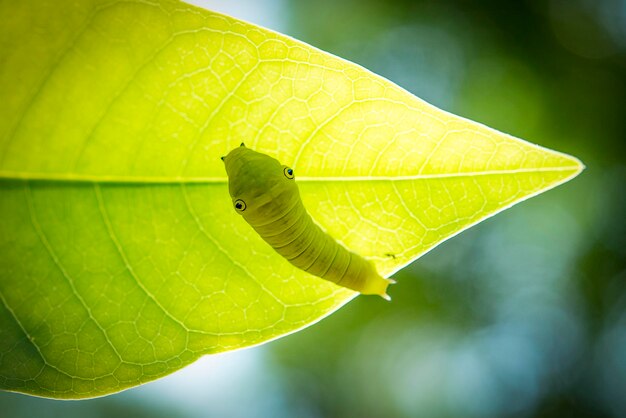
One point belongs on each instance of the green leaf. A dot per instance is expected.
(121, 258)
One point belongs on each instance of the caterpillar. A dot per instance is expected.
(265, 193)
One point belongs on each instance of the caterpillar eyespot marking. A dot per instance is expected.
(240, 205)
(264, 193)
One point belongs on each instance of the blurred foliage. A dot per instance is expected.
(521, 316)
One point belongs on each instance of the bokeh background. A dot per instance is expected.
(523, 315)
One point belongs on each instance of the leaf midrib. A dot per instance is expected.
(81, 178)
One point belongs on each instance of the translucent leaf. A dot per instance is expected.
(121, 258)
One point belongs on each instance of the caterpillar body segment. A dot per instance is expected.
(264, 192)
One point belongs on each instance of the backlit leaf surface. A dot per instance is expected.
(121, 258)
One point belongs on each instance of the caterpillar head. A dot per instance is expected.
(260, 187)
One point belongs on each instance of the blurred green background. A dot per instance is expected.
(523, 315)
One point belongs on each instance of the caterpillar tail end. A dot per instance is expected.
(378, 286)
(384, 295)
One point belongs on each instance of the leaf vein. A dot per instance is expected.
(44, 240)
(131, 270)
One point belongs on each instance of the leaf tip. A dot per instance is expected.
(578, 166)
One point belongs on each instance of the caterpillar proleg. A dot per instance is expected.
(264, 192)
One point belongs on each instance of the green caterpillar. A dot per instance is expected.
(265, 193)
